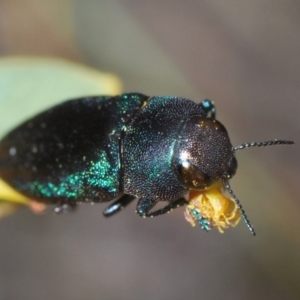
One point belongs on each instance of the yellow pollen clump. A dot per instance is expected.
(214, 206)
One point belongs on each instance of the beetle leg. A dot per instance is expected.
(118, 205)
(62, 208)
(209, 108)
(144, 205)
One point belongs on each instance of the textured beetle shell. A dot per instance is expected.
(148, 148)
(71, 151)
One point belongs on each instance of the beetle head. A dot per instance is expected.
(203, 153)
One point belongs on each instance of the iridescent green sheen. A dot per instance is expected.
(102, 174)
(70, 152)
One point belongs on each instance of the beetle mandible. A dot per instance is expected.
(98, 149)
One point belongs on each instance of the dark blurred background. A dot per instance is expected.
(245, 56)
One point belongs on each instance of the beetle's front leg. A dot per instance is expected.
(144, 206)
(118, 205)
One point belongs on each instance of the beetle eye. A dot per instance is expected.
(192, 178)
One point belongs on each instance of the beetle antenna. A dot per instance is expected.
(238, 204)
(263, 144)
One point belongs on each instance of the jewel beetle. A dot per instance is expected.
(122, 148)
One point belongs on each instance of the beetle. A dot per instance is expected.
(122, 148)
